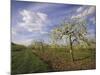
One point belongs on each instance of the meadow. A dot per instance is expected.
(24, 61)
(46, 58)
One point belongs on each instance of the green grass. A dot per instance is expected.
(28, 60)
(24, 61)
(84, 53)
(60, 58)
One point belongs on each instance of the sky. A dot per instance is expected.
(34, 21)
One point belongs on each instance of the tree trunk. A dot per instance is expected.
(71, 48)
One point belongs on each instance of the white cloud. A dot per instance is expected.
(84, 12)
(29, 22)
(13, 32)
(91, 34)
(43, 32)
(25, 42)
(93, 20)
(32, 21)
(79, 9)
(91, 10)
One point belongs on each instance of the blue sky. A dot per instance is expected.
(34, 21)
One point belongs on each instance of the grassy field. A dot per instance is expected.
(60, 58)
(47, 59)
(24, 61)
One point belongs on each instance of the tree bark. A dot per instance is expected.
(71, 48)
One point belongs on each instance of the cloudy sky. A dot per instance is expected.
(34, 21)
